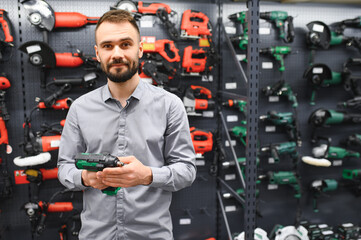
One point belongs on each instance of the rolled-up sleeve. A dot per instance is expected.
(71, 142)
(180, 169)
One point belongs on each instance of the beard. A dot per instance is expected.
(118, 76)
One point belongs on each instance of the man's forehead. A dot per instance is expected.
(114, 30)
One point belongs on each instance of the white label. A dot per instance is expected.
(347, 225)
(240, 57)
(33, 48)
(267, 65)
(229, 177)
(54, 143)
(227, 143)
(232, 118)
(273, 99)
(317, 70)
(264, 31)
(272, 186)
(317, 28)
(207, 79)
(232, 85)
(230, 30)
(270, 129)
(200, 162)
(337, 163)
(327, 232)
(148, 39)
(322, 225)
(185, 221)
(146, 24)
(271, 160)
(208, 114)
(230, 208)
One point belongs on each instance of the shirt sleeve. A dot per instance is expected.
(180, 169)
(71, 142)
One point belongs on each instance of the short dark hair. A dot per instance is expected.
(118, 16)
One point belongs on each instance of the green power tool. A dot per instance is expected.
(97, 162)
(281, 88)
(284, 178)
(278, 52)
(242, 40)
(240, 132)
(241, 105)
(281, 20)
(277, 149)
(320, 186)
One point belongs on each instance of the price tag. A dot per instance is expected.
(229, 177)
(230, 208)
(146, 24)
(337, 163)
(264, 31)
(271, 160)
(317, 70)
(233, 142)
(272, 186)
(185, 221)
(232, 85)
(273, 99)
(317, 28)
(267, 65)
(232, 118)
(270, 129)
(200, 162)
(241, 57)
(230, 30)
(209, 114)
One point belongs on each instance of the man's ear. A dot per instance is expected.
(96, 52)
(140, 49)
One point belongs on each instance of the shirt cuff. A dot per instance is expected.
(78, 181)
(160, 176)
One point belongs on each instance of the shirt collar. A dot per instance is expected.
(138, 92)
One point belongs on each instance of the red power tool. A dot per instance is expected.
(165, 47)
(195, 25)
(41, 14)
(7, 42)
(195, 62)
(4, 115)
(161, 10)
(197, 98)
(202, 140)
(35, 175)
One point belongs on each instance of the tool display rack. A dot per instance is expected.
(200, 211)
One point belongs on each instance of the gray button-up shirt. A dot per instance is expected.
(154, 128)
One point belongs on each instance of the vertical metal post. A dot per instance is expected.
(252, 117)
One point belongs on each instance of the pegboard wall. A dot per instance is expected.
(276, 203)
(197, 210)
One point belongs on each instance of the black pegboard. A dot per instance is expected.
(194, 210)
(279, 206)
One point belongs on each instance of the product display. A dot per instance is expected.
(271, 155)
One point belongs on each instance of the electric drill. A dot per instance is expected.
(285, 178)
(280, 18)
(278, 53)
(239, 104)
(97, 162)
(241, 132)
(319, 186)
(276, 149)
(242, 40)
(281, 88)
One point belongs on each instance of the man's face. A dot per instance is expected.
(118, 50)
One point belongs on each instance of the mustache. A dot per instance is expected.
(117, 61)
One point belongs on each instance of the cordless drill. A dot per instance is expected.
(97, 162)
(281, 88)
(276, 149)
(235, 103)
(285, 178)
(279, 18)
(278, 53)
(242, 40)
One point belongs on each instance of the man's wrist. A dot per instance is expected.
(82, 178)
(149, 178)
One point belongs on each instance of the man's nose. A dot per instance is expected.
(117, 52)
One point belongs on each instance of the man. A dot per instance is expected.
(145, 126)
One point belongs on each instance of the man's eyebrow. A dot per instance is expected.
(120, 40)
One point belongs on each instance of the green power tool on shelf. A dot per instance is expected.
(277, 149)
(278, 52)
(284, 178)
(97, 162)
(240, 132)
(320, 186)
(242, 40)
(281, 19)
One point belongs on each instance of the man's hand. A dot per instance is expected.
(90, 179)
(133, 173)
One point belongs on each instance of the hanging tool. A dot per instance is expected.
(160, 71)
(202, 140)
(287, 120)
(41, 14)
(196, 99)
(332, 152)
(321, 36)
(197, 62)
(161, 10)
(86, 81)
(241, 105)
(352, 180)
(278, 149)
(165, 47)
(281, 88)
(42, 55)
(97, 162)
(240, 132)
(319, 187)
(282, 21)
(195, 25)
(240, 41)
(6, 43)
(278, 53)
(284, 178)
(36, 146)
(352, 23)
(280, 232)
(352, 140)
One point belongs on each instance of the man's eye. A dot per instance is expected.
(125, 44)
(107, 46)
